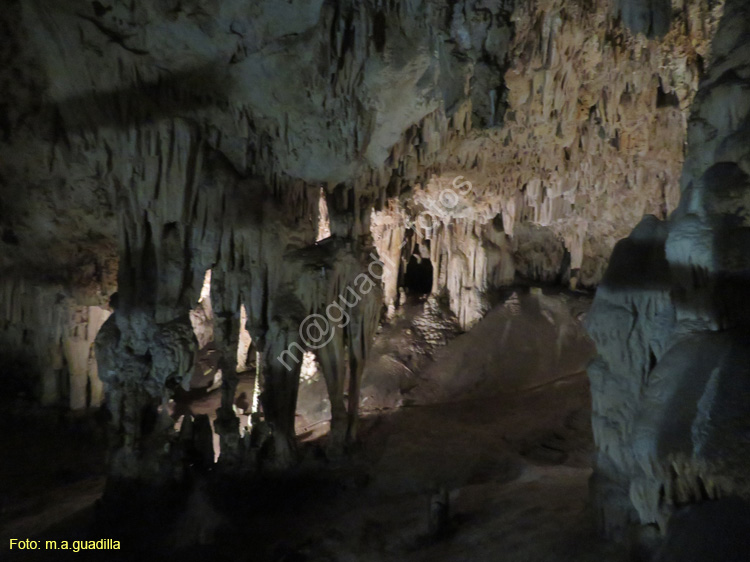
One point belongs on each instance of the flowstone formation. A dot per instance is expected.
(670, 320)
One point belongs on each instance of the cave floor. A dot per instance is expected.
(516, 467)
(52, 467)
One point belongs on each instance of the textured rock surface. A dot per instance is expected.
(48, 345)
(578, 127)
(150, 135)
(670, 322)
(421, 358)
(161, 140)
(588, 137)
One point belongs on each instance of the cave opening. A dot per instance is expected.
(418, 275)
(666, 99)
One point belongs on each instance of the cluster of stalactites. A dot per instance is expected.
(48, 341)
(260, 244)
(469, 251)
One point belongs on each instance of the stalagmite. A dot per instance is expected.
(567, 126)
(281, 380)
(226, 337)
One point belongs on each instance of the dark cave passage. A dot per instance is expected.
(418, 275)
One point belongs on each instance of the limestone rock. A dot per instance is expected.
(670, 323)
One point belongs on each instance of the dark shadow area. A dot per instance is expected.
(51, 467)
(650, 17)
(418, 275)
(142, 103)
(18, 378)
(666, 99)
(376, 503)
(714, 530)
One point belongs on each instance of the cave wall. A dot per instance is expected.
(670, 322)
(48, 341)
(588, 136)
(197, 136)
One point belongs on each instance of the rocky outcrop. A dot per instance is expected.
(120, 106)
(365, 99)
(670, 321)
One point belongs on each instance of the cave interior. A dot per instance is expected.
(343, 280)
